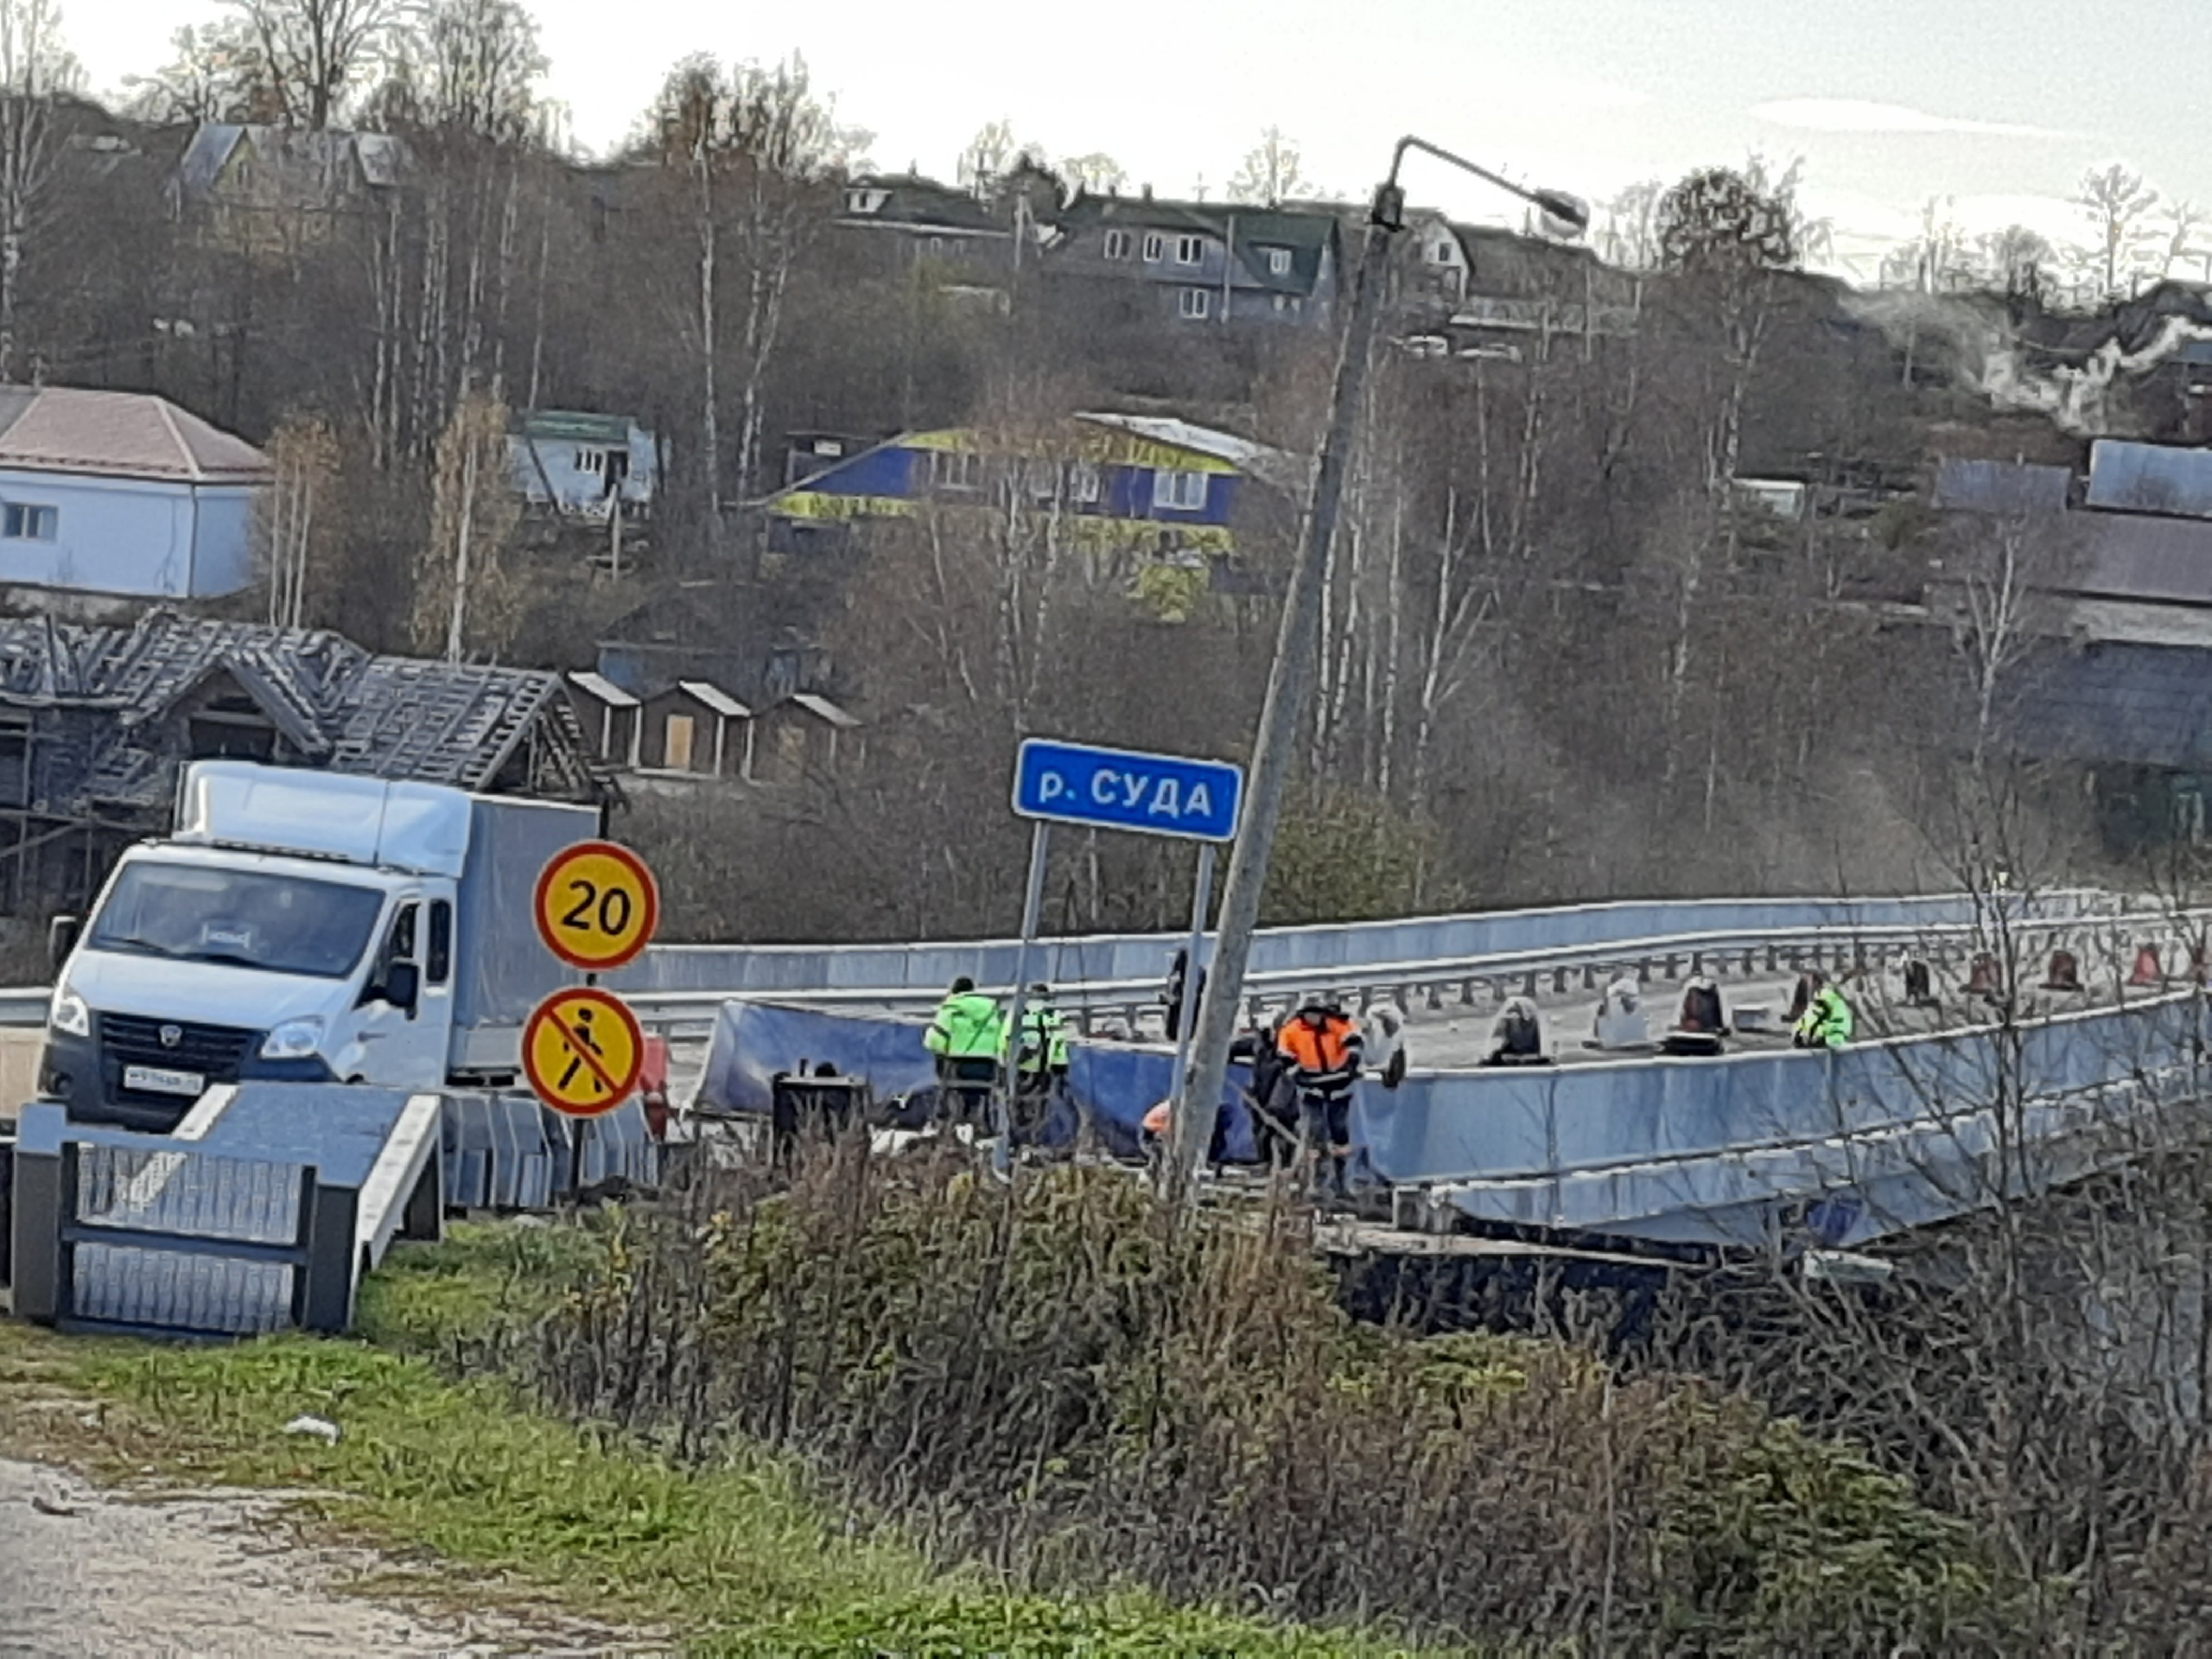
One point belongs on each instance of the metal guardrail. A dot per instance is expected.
(1741, 953)
(1720, 952)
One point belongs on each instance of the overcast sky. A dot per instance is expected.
(1999, 104)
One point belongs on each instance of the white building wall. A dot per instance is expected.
(140, 537)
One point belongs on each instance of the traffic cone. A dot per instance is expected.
(2065, 973)
(2147, 971)
(1983, 982)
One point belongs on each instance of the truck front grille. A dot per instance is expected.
(216, 1052)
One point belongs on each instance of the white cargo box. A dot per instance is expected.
(419, 828)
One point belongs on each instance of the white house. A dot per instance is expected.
(579, 464)
(123, 493)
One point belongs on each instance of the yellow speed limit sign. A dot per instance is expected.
(582, 1050)
(597, 906)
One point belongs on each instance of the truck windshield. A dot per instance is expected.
(242, 918)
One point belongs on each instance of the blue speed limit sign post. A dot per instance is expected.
(1118, 789)
(1123, 789)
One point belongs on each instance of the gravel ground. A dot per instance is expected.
(85, 1571)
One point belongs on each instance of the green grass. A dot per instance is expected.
(735, 1559)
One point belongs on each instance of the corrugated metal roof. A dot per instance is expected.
(2118, 704)
(1244, 453)
(2001, 487)
(571, 426)
(2125, 556)
(2150, 478)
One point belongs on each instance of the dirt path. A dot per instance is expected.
(85, 1571)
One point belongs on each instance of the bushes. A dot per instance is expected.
(1066, 1384)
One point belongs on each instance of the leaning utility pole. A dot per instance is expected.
(1297, 644)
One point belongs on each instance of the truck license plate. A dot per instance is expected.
(156, 1080)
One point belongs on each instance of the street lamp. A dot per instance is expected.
(1290, 680)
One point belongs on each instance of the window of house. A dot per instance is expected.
(1083, 482)
(937, 247)
(591, 460)
(1441, 254)
(1179, 492)
(1278, 262)
(1288, 303)
(24, 523)
(1189, 250)
(1195, 302)
(1117, 244)
(955, 469)
(1155, 247)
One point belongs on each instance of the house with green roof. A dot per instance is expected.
(1195, 265)
(579, 465)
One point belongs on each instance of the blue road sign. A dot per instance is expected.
(1115, 788)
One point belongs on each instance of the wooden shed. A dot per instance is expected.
(694, 726)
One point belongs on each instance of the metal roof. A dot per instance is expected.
(119, 435)
(822, 709)
(716, 699)
(1273, 466)
(2001, 487)
(2151, 478)
(599, 686)
(570, 426)
(2118, 704)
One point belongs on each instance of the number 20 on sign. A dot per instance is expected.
(597, 906)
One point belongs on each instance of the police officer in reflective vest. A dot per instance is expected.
(964, 1038)
(1324, 1047)
(1042, 1067)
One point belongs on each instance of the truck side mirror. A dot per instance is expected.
(403, 985)
(61, 935)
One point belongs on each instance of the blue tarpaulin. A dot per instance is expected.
(1117, 1082)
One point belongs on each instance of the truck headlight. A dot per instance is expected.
(295, 1039)
(69, 1016)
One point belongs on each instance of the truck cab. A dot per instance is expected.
(311, 927)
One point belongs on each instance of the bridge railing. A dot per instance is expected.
(928, 966)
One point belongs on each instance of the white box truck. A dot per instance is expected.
(308, 927)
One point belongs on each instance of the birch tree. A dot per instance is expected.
(295, 519)
(35, 67)
(465, 603)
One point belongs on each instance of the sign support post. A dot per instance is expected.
(1033, 908)
(1193, 967)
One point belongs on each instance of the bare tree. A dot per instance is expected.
(317, 50)
(989, 153)
(464, 601)
(754, 142)
(34, 66)
(1270, 174)
(2182, 222)
(293, 517)
(480, 65)
(219, 73)
(1096, 173)
(2118, 204)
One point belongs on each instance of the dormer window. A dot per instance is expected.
(865, 200)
